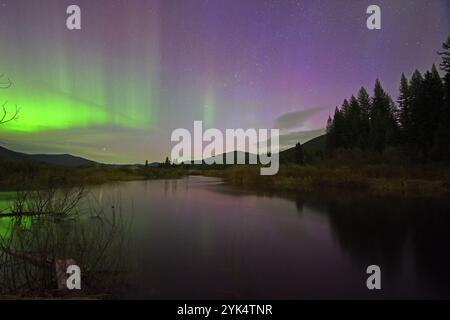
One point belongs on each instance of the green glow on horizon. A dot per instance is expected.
(53, 112)
(209, 112)
(44, 110)
(81, 95)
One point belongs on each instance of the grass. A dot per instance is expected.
(372, 178)
(380, 179)
(17, 176)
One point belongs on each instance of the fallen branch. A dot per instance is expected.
(27, 214)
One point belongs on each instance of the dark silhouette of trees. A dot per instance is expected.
(404, 115)
(382, 120)
(434, 105)
(441, 150)
(299, 154)
(364, 105)
(419, 122)
(363, 122)
(167, 163)
(336, 131)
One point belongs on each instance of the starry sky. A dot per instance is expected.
(138, 69)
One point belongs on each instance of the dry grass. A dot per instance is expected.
(377, 179)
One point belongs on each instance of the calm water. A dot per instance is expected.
(198, 238)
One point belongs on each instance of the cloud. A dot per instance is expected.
(290, 139)
(296, 119)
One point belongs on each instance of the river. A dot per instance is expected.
(197, 238)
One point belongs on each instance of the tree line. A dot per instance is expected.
(418, 123)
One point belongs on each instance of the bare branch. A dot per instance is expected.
(5, 84)
(5, 118)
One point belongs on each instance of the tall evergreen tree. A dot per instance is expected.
(404, 114)
(330, 137)
(393, 131)
(364, 104)
(417, 103)
(434, 104)
(346, 129)
(354, 123)
(442, 141)
(380, 118)
(339, 129)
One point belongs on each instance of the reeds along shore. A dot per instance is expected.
(42, 230)
(23, 175)
(380, 179)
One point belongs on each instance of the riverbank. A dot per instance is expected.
(380, 179)
(26, 176)
(376, 179)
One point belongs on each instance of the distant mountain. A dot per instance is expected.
(312, 146)
(235, 154)
(316, 144)
(8, 155)
(52, 159)
(62, 160)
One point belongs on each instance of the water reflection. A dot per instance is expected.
(36, 248)
(198, 238)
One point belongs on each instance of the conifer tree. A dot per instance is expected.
(354, 123)
(417, 108)
(404, 107)
(380, 118)
(442, 141)
(330, 138)
(339, 129)
(345, 122)
(434, 104)
(364, 104)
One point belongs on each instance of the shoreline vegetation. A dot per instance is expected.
(374, 179)
(19, 176)
(389, 178)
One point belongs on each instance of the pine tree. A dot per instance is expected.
(393, 130)
(339, 129)
(364, 104)
(346, 128)
(380, 118)
(354, 123)
(330, 138)
(434, 104)
(417, 109)
(442, 141)
(404, 114)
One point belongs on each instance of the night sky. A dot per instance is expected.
(115, 90)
